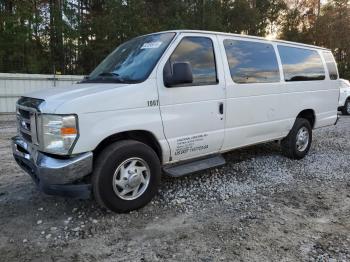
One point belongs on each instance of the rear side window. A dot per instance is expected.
(251, 62)
(331, 65)
(199, 52)
(301, 64)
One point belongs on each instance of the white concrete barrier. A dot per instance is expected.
(12, 86)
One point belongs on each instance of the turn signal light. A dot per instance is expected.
(69, 131)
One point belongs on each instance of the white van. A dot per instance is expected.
(172, 102)
(344, 98)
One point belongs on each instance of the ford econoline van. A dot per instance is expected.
(172, 103)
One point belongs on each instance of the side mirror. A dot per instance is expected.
(181, 74)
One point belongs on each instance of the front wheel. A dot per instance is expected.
(126, 176)
(297, 144)
(346, 108)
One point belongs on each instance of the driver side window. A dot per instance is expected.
(199, 53)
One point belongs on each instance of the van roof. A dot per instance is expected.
(249, 37)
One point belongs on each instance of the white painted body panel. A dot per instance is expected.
(119, 109)
(261, 112)
(190, 114)
(65, 97)
(344, 92)
(95, 127)
(187, 118)
(107, 109)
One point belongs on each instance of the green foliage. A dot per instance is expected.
(328, 27)
(73, 36)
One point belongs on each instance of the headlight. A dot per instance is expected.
(58, 133)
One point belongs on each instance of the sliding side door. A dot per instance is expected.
(254, 90)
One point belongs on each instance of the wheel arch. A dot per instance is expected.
(142, 136)
(308, 114)
(344, 108)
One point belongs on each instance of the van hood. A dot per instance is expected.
(96, 97)
(58, 96)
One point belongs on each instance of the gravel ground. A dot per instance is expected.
(260, 206)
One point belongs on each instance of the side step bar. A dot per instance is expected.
(183, 169)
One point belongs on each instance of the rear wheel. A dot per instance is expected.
(126, 176)
(297, 144)
(346, 108)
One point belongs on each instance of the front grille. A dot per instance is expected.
(24, 123)
(27, 110)
(24, 114)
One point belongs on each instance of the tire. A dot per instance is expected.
(119, 167)
(346, 107)
(294, 148)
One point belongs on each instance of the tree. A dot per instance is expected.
(73, 36)
(20, 40)
(335, 34)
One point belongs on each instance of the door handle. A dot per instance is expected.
(221, 108)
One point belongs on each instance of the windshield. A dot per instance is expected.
(132, 61)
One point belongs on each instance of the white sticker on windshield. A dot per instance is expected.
(151, 45)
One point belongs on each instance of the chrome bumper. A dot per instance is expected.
(54, 176)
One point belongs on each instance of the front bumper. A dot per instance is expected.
(54, 176)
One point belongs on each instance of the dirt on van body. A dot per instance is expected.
(260, 206)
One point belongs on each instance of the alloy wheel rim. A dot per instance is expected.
(131, 178)
(348, 107)
(302, 139)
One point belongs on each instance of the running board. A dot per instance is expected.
(194, 166)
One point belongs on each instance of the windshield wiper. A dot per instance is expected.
(109, 74)
(108, 77)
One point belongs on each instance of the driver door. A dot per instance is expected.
(193, 114)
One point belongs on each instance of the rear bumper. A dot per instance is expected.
(54, 176)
